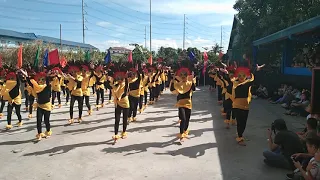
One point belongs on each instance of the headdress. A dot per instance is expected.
(244, 70)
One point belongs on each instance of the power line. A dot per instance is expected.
(130, 15)
(107, 28)
(41, 29)
(52, 3)
(26, 19)
(36, 10)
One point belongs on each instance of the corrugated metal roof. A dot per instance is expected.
(46, 39)
(15, 34)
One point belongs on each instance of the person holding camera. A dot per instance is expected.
(307, 164)
(282, 147)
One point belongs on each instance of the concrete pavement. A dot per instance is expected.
(85, 151)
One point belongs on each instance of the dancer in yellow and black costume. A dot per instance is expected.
(75, 86)
(151, 85)
(134, 79)
(99, 78)
(184, 85)
(41, 84)
(32, 95)
(87, 75)
(227, 103)
(241, 98)
(143, 89)
(56, 81)
(3, 73)
(13, 95)
(120, 92)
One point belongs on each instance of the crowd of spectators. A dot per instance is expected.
(298, 152)
(308, 57)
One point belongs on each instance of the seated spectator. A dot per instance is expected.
(307, 164)
(311, 127)
(299, 108)
(285, 144)
(262, 92)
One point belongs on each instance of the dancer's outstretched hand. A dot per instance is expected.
(259, 67)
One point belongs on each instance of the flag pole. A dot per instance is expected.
(60, 39)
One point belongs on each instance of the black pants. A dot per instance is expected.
(145, 98)
(141, 102)
(242, 117)
(67, 94)
(151, 90)
(227, 105)
(9, 111)
(219, 93)
(214, 84)
(133, 106)
(46, 116)
(31, 101)
(3, 103)
(86, 100)
(157, 91)
(162, 86)
(56, 94)
(125, 112)
(26, 95)
(63, 88)
(93, 89)
(110, 94)
(184, 115)
(100, 94)
(80, 105)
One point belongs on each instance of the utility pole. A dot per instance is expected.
(150, 28)
(83, 21)
(145, 36)
(221, 40)
(60, 39)
(184, 30)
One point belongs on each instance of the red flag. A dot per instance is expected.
(205, 56)
(54, 57)
(63, 62)
(0, 60)
(204, 68)
(150, 59)
(130, 57)
(19, 63)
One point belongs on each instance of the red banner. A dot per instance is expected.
(54, 57)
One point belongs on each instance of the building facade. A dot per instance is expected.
(119, 51)
(12, 39)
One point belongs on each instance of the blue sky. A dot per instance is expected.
(121, 22)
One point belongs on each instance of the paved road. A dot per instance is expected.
(85, 151)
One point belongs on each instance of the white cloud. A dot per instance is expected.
(103, 24)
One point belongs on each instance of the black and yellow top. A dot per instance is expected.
(151, 77)
(74, 85)
(63, 83)
(241, 93)
(11, 92)
(2, 86)
(144, 84)
(229, 86)
(157, 78)
(56, 83)
(184, 91)
(43, 92)
(99, 80)
(85, 84)
(30, 90)
(217, 79)
(120, 93)
(134, 86)
(224, 84)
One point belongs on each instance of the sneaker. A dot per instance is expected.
(48, 133)
(70, 121)
(8, 127)
(30, 116)
(19, 124)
